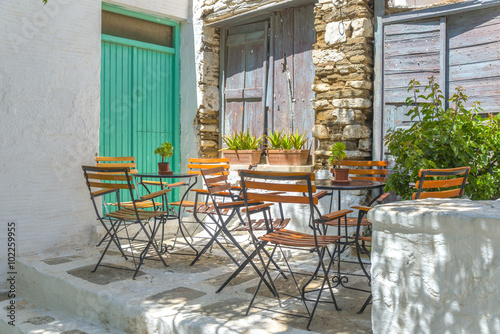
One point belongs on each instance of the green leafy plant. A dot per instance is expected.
(337, 154)
(274, 140)
(298, 140)
(445, 138)
(165, 151)
(243, 140)
(286, 141)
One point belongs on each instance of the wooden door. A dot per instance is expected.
(245, 78)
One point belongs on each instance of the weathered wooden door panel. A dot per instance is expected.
(458, 50)
(474, 56)
(137, 101)
(245, 73)
(293, 74)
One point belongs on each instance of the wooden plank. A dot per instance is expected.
(280, 198)
(284, 187)
(429, 184)
(304, 71)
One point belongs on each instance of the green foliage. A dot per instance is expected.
(242, 141)
(165, 151)
(274, 140)
(448, 138)
(44, 2)
(288, 141)
(298, 140)
(337, 154)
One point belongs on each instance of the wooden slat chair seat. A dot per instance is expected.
(110, 179)
(295, 189)
(367, 170)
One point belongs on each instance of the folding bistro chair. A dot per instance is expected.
(109, 180)
(195, 166)
(445, 183)
(297, 189)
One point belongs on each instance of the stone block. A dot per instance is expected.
(356, 131)
(352, 103)
(320, 104)
(335, 33)
(365, 144)
(326, 56)
(359, 84)
(321, 87)
(321, 132)
(362, 28)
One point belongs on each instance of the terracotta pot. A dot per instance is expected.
(287, 157)
(243, 157)
(340, 174)
(164, 168)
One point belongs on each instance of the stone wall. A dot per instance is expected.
(343, 56)
(343, 84)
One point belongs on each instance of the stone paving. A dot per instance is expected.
(179, 298)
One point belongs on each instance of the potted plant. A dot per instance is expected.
(287, 149)
(165, 151)
(242, 148)
(337, 154)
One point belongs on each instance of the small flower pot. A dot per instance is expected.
(340, 174)
(164, 168)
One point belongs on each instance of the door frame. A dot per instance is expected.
(175, 50)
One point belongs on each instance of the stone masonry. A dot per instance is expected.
(342, 55)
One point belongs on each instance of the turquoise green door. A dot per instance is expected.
(139, 101)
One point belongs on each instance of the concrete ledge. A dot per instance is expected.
(435, 266)
(277, 168)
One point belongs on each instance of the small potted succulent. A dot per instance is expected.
(287, 148)
(165, 151)
(242, 148)
(337, 154)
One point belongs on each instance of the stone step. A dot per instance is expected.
(178, 298)
(30, 319)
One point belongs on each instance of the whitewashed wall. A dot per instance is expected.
(49, 106)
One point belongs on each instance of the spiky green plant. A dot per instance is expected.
(297, 139)
(274, 140)
(242, 140)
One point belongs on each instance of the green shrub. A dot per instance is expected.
(448, 138)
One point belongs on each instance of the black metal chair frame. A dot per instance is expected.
(260, 245)
(149, 221)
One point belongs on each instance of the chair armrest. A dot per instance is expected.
(153, 195)
(320, 194)
(236, 204)
(257, 207)
(336, 214)
(362, 208)
(154, 183)
(383, 197)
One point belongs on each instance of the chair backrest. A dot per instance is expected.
(367, 170)
(126, 162)
(445, 183)
(278, 187)
(108, 179)
(197, 165)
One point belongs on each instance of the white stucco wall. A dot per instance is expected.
(435, 267)
(49, 103)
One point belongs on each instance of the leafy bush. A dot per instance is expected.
(444, 139)
(242, 141)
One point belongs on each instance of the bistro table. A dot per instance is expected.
(330, 185)
(185, 180)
